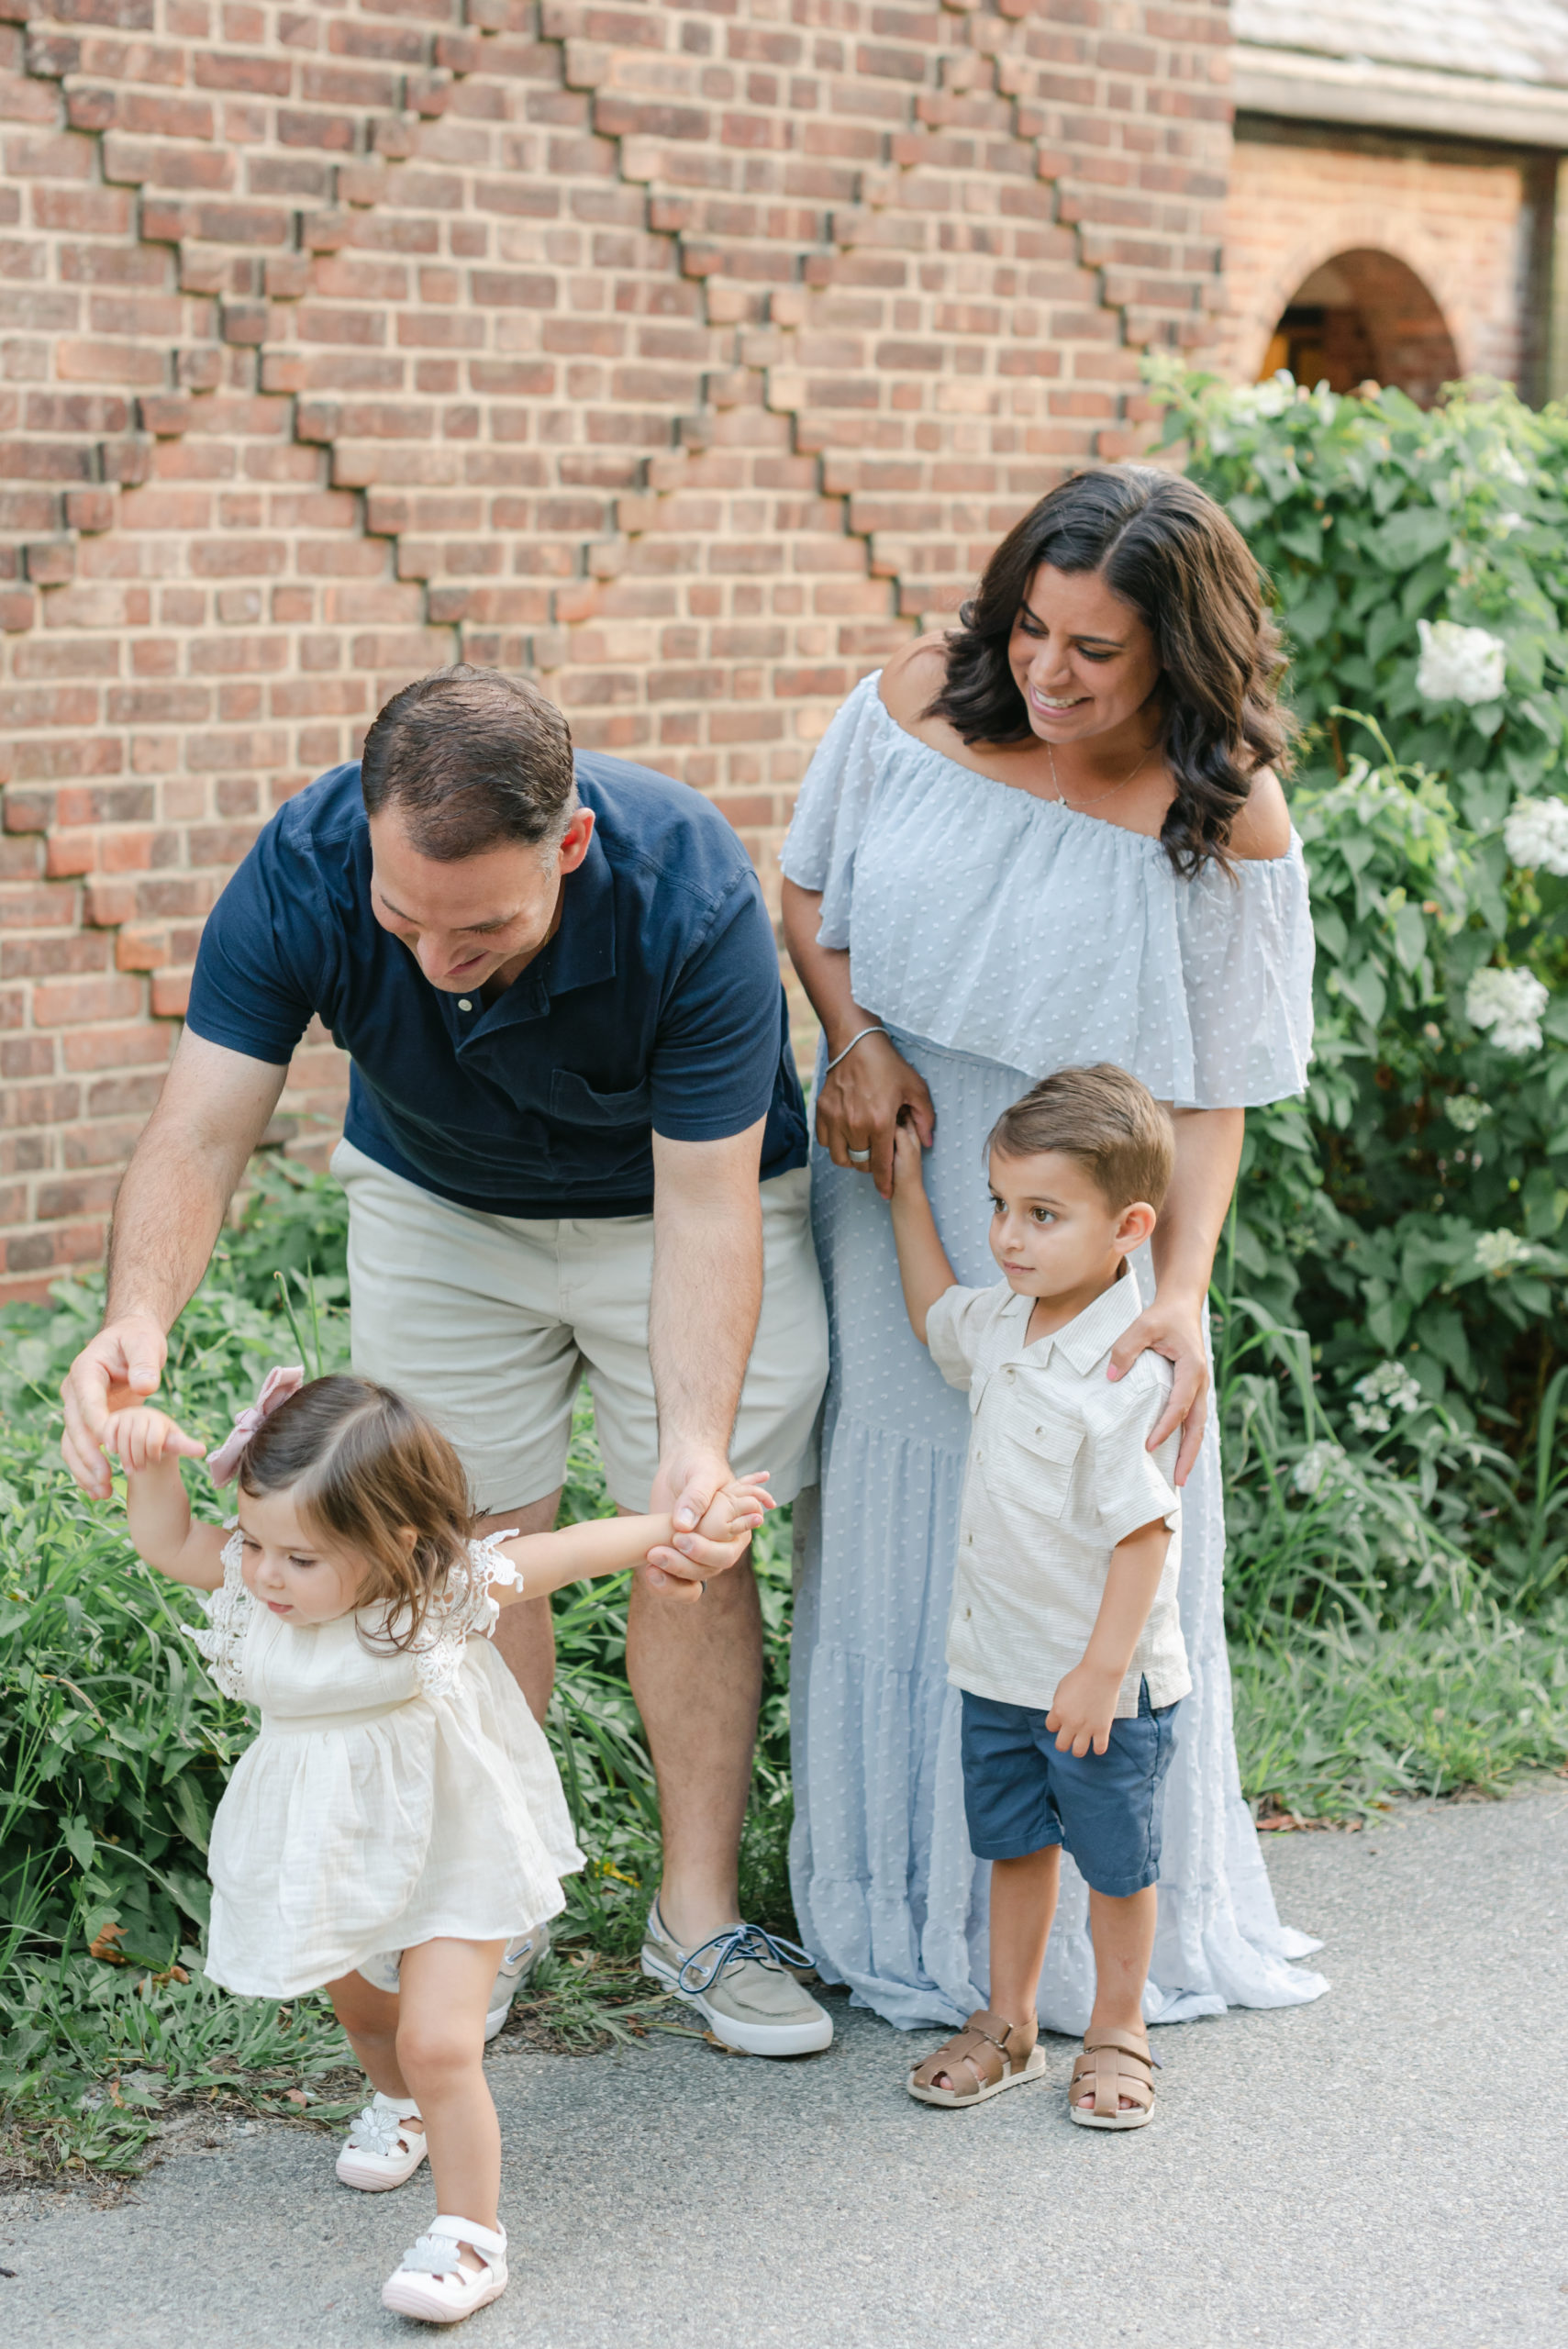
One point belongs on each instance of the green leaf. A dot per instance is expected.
(1409, 937)
(1408, 538)
(1367, 989)
(77, 1836)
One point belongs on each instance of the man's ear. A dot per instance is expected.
(574, 841)
(1134, 1227)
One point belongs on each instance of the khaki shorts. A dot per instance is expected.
(488, 1322)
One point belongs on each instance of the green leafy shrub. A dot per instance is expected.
(1409, 1214)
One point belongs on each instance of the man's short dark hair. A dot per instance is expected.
(470, 760)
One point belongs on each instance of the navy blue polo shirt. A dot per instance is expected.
(656, 1005)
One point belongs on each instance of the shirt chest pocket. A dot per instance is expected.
(574, 1101)
(609, 1131)
(1028, 1459)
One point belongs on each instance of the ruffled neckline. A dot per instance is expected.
(1071, 817)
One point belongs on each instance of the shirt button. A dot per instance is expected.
(463, 1004)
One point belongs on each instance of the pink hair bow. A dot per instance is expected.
(224, 1463)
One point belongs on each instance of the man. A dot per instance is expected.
(575, 1143)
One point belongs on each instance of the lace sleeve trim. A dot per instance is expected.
(229, 1611)
(464, 1610)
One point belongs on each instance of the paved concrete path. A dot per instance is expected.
(1387, 2166)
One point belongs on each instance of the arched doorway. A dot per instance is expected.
(1364, 314)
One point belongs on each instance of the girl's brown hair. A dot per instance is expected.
(1177, 559)
(365, 1467)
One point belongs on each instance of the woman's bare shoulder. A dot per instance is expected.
(912, 678)
(1262, 830)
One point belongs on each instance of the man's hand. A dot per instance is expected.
(1082, 1709)
(687, 1484)
(114, 1372)
(1172, 1328)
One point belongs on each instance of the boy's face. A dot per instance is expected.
(1053, 1229)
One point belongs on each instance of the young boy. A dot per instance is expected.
(1063, 1634)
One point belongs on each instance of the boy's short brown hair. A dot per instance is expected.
(1106, 1119)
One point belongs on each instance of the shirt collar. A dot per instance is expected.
(1095, 1331)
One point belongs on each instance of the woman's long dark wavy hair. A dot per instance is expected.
(1177, 559)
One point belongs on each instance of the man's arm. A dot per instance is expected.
(702, 1316)
(213, 1111)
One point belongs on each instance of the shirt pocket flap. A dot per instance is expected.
(1031, 1461)
(573, 1099)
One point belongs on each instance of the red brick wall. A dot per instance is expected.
(689, 356)
(1456, 224)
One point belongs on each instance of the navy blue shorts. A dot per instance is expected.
(1020, 1794)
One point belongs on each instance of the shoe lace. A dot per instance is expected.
(736, 1944)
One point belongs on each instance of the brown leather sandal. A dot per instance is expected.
(982, 2047)
(1115, 2064)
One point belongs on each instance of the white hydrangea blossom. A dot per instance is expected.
(1510, 1004)
(1255, 401)
(1467, 1111)
(1500, 1252)
(1317, 1463)
(1383, 1391)
(1500, 459)
(1536, 835)
(1465, 664)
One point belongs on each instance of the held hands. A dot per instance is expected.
(140, 1439)
(1171, 1327)
(1082, 1709)
(111, 1374)
(714, 1540)
(859, 1106)
(907, 1154)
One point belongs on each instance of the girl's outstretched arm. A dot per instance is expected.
(605, 1546)
(150, 1448)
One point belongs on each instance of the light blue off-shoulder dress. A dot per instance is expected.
(1000, 936)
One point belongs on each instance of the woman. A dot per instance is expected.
(1055, 836)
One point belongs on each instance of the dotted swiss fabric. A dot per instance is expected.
(1022, 940)
(1022, 932)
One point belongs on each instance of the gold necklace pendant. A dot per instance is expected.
(1081, 809)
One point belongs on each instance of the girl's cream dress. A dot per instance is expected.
(390, 1798)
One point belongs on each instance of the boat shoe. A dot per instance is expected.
(519, 1959)
(741, 1982)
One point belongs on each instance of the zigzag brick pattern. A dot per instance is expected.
(688, 356)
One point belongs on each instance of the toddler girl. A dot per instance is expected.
(401, 1797)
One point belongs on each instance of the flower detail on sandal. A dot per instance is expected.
(229, 1613)
(385, 2146)
(430, 2280)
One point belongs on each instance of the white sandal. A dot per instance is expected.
(431, 2281)
(386, 2145)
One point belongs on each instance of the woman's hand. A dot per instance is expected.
(1173, 1326)
(858, 1109)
